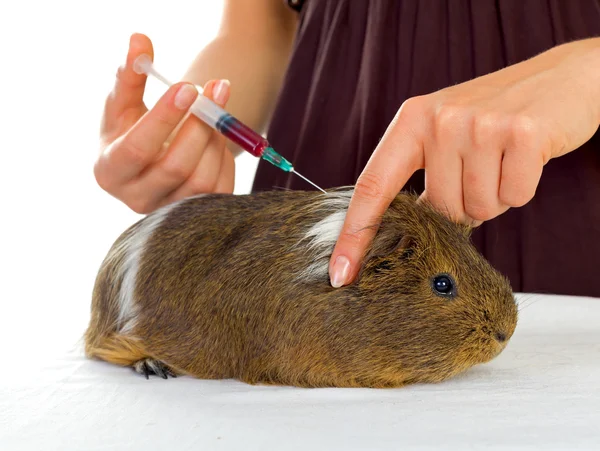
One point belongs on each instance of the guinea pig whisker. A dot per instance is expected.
(526, 301)
(520, 309)
(281, 188)
(423, 251)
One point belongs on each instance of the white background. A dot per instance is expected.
(59, 59)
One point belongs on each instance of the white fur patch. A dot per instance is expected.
(132, 248)
(322, 236)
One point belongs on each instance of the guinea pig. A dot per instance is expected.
(237, 287)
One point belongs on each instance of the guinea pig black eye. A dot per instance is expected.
(443, 285)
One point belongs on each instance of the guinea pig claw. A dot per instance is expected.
(149, 367)
(158, 370)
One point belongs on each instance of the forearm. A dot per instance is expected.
(580, 68)
(253, 59)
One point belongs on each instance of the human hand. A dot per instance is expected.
(150, 158)
(483, 144)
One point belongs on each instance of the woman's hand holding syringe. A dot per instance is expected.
(150, 158)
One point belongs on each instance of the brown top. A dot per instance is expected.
(355, 62)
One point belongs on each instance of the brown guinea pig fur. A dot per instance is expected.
(237, 287)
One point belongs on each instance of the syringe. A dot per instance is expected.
(220, 120)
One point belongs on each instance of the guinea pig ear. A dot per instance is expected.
(387, 247)
(406, 247)
(389, 241)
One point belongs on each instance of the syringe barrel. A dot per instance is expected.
(219, 119)
(208, 111)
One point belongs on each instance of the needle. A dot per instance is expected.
(304, 178)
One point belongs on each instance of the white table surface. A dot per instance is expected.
(543, 392)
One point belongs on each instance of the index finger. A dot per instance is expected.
(396, 158)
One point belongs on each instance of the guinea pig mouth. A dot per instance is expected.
(496, 347)
(486, 349)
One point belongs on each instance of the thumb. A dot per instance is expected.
(128, 91)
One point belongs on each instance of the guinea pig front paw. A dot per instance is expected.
(147, 367)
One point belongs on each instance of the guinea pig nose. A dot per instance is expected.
(500, 336)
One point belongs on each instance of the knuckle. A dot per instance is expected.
(176, 169)
(412, 106)
(351, 239)
(134, 154)
(448, 119)
(472, 178)
(167, 118)
(369, 186)
(524, 130)
(411, 110)
(485, 126)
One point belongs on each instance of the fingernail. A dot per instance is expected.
(185, 96)
(341, 267)
(220, 91)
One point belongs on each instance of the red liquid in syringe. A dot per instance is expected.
(242, 135)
